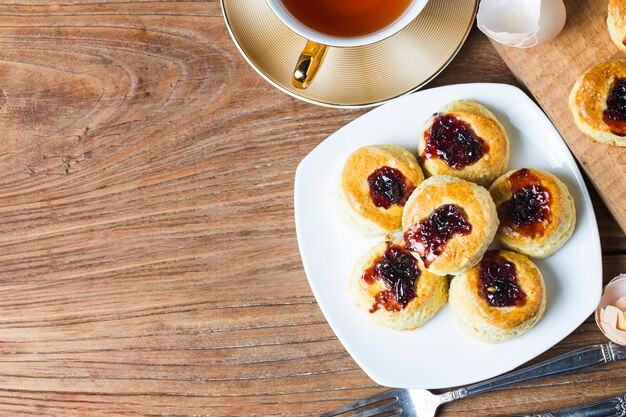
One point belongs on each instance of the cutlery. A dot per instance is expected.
(423, 403)
(609, 407)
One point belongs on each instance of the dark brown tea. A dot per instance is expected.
(346, 18)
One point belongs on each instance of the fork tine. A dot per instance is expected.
(372, 412)
(364, 402)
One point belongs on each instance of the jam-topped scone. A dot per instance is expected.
(375, 184)
(448, 224)
(464, 139)
(536, 212)
(394, 290)
(616, 21)
(598, 103)
(502, 297)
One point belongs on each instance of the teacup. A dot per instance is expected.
(318, 43)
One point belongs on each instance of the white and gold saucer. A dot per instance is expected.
(352, 76)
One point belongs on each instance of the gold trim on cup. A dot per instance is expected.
(308, 64)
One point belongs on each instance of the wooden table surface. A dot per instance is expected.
(148, 258)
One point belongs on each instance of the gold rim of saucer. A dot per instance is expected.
(352, 77)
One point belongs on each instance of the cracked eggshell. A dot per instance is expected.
(606, 317)
(521, 23)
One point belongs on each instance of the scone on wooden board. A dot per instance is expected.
(391, 287)
(536, 211)
(465, 140)
(448, 224)
(598, 102)
(616, 22)
(502, 297)
(376, 182)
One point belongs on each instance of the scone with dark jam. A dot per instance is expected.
(615, 113)
(390, 286)
(502, 297)
(399, 272)
(429, 237)
(528, 210)
(536, 212)
(465, 140)
(389, 186)
(454, 141)
(498, 282)
(376, 182)
(598, 100)
(448, 224)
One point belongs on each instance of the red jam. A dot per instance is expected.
(399, 271)
(498, 281)
(615, 113)
(388, 186)
(454, 141)
(429, 237)
(528, 211)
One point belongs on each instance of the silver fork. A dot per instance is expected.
(423, 403)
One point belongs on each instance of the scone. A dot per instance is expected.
(598, 103)
(448, 224)
(375, 184)
(391, 287)
(502, 297)
(465, 140)
(536, 212)
(616, 21)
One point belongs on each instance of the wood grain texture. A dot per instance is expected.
(549, 72)
(148, 260)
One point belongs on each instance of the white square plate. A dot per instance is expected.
(438, 354)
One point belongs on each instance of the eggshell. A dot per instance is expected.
(621, 321)
(608, 312)
(609, 315)
(521, 23)
(616, 335)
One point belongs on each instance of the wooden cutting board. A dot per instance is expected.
(549, 71)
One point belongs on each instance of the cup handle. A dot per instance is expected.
(309, 63)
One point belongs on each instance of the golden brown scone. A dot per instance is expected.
(536, 212)
(502, 297)
(448, 223)
(375, 183)
(616, 21)
(391, 287)
(598, 102)
(465, 140)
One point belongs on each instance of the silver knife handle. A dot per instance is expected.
(568, 363)
(611, 407)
